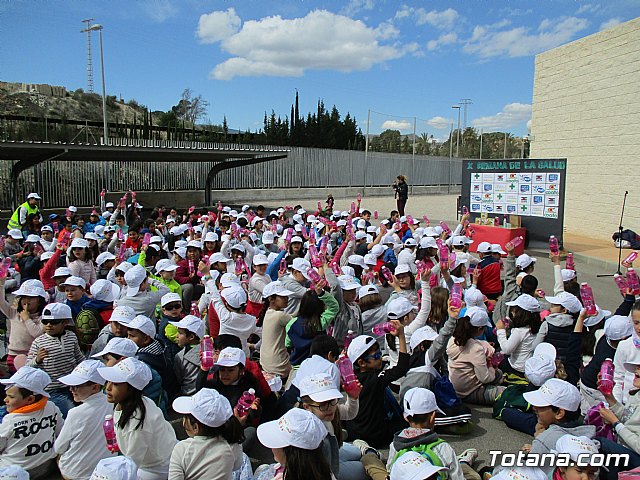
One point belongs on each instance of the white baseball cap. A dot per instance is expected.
(130, 370)
(474, 297)
(418, 401)
(567, 300)
(207, 406)
(275, 288)
(296, 239)
(496, 248)
(618, 327)
(526, 302)
(134, 277)
(524, 260)
(122, 314)
(85, 371)
(359, 347)
(211, 237)
(219, 257)
(541, 366)
(268, 238)
(32, 239)
(32, 379)
(520, 473)
(478, 317)
(229, 279)
(399, 307)
(410, 242)
(124, 347)
(192, 324)
(296, 428)
(377, 250)
(347, 270)
(301, 265)
(13, 472)
(239, 247)
(34, 195)
(231, 356)
(62, 272)
(567, 274)
(317, 364)
(347, 282)
(235, 296)
(459, 241)
(166, 265)
(423, 334)
(370, 259)
(104, 257)
(124, 267)
(484, 247)
(195, 244)
(402, 268)
(319, 387)
(75, 282)
(79, 243)
(413, 466)
(170, 298)
(30, 289)
(105, 290)
(91, 236)
(260, 260)
(360, 235)
(46, 256)
(115, 468)
(57, 311)
(576, 447)
(358, 260)
(557, 393)
(181, 252)
(368, 290)
(428, 242)
(46, 228)
(15, 234)
(144, 324)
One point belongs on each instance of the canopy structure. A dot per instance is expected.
(226, 156)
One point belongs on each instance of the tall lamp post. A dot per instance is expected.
(458, 136)
(99, 28)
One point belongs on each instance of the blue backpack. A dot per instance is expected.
(445, 393)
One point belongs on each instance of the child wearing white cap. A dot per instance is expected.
(296, 442)
(141, 430)
(558, 325)
(420, 410)
(32, 423)
(579, 451)
(349, 317)
(414, 466)
(213, 449)
(81, 443)
(80, 260)
(115, 468)
(75, 291)
(488, 272)
(171, 308)
(23, 319)
(259, 279)
(186, 365)
(138, 294)
(57, 352)
(274, 356)
(473, 377)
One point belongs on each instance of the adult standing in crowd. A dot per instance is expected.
(402, 192)
(30, 207)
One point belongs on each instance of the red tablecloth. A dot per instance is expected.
(501, 235)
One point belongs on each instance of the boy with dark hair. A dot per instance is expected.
(186, 365)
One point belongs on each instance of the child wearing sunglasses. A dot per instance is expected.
(57, 352)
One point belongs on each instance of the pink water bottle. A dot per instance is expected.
(349, 379)
(348, 338)
(465, 210)
(283, 267)
(386, 273)
(146, 239)
(383, 328)
(359, 197)
(409, 219)
(444, 256)
(514, 243)
(206, 352)
(569, 263)
(313, 275)
(122, 251)
(110, 434)
(456, 295)
(316, 261)
(621, 282)
(553, 245)
(605, 384)
(426, 220)
(289, 235)
(633, 281)
(219, 206)
(496, 359)
(120, 235)
(375, 214)
(586, 293)
(335, 268)
(195, 311)
(445, 227)
(319, 206)
(192, 267)
(245, 402)
(630, 258)
(353, 208)
(4, 267)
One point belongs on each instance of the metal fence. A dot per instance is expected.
(63, 183)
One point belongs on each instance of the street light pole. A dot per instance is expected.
(104, 94)
(458, 135)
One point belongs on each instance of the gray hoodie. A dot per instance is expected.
(546, 441)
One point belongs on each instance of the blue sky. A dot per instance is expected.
(403, 59)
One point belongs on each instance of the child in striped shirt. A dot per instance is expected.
(56, 352)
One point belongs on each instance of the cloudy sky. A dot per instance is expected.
(398, 59)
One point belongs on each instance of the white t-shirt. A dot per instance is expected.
(81, 444)
(204, 457)
(26, 439)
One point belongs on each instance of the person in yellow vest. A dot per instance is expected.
(19, 218)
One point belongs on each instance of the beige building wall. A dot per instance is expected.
(586, 108)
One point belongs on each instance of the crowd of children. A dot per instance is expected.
(286, 344)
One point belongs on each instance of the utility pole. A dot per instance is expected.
(89, 63)
(465, 102)
(458, 138)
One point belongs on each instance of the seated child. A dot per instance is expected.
(74, 289)
(81, 443)
(579, 450)
(115, 468)
(57, 352)
(414, 465)
(170, 311)
(117, 327)
(558, 325)
(213, 449)
(27, 404)
(186, 365)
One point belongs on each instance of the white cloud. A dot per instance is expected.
(159, 10)
(587, 8)
(444, 19)
(321, 40)
(511, 115)
(612, 22)
(444, 39)
(397, 125)
(490, 41)
(355, 6)
(216, 26)
(439, 123)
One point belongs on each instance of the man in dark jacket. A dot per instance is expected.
(401, 193)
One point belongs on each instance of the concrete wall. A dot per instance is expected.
(586, 107)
